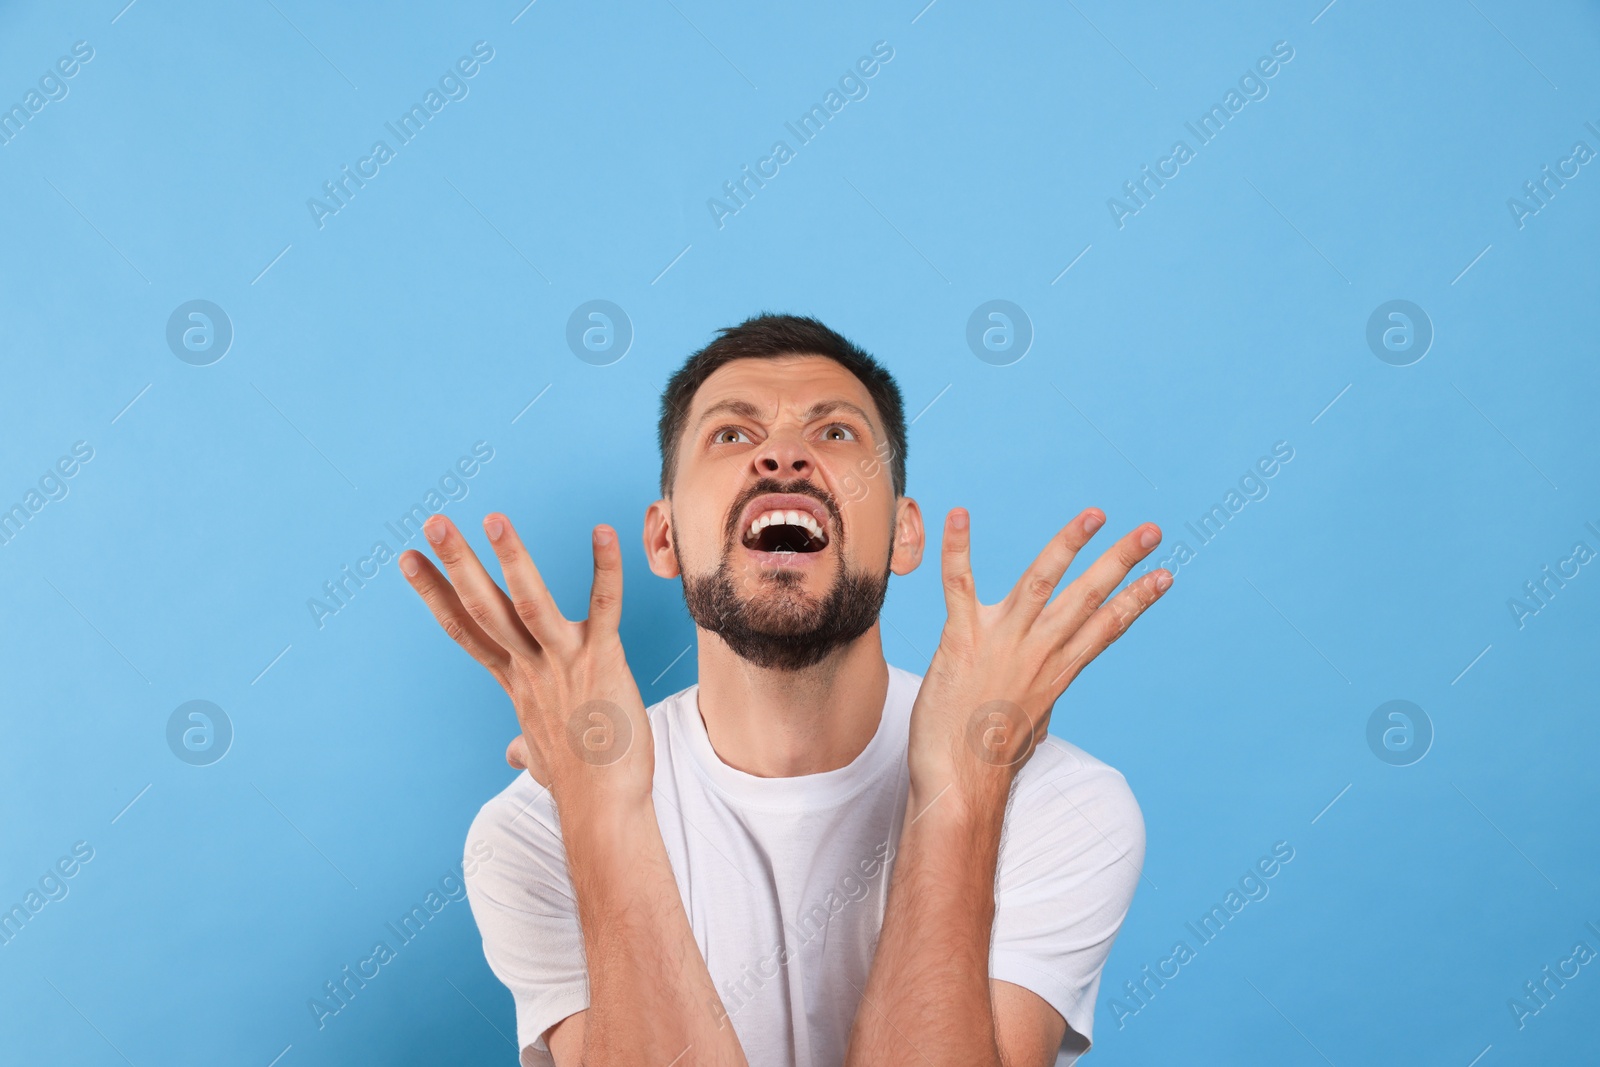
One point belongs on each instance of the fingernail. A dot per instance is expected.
(408, 563)
(494, 528)
(1163, 580)
(602, 536)
(1150, 538)
(1093, 523)
(958, 520)
(434, 530)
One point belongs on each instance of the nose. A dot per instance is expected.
(783, 455)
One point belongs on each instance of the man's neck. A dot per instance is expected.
(781, 724)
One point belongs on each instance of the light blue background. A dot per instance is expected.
(426, 315)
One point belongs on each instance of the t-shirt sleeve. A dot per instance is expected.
(1070, 861)
(523, 903)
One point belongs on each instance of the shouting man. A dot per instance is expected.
(810, 858)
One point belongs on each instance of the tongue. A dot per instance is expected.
(782, 537)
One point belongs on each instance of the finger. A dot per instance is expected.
(529, 597)
(447, 608)
(1107, 624)
(605, 595)
(483, 600)
(955, 565)
(1079, 600)
(1038, 583)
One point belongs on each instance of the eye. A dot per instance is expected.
(838, 432)
(730, 435)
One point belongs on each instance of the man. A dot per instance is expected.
(809, 858)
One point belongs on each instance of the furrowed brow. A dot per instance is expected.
(742, 408)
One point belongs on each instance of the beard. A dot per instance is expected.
(782, 627)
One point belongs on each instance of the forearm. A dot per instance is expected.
(927, 997)
(651, 997)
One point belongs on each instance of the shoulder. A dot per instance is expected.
(516, 834)
(1068, 802)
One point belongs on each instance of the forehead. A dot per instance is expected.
(779, 383)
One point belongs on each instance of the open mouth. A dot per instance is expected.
(785, 531)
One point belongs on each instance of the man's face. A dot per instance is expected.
(783, 518)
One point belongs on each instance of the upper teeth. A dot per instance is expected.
(786, 518)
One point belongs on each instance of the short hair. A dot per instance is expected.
(769, 336)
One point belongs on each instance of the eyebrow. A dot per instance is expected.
(745, 409)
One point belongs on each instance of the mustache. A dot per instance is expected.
(799, 487)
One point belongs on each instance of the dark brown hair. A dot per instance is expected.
(768, 336)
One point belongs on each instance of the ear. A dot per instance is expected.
(658, 540)
(909, 536)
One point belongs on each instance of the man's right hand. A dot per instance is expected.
(583, 722)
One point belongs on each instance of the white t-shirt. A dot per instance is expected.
(785, 879)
